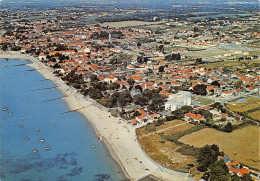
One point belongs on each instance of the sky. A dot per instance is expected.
(126, 2)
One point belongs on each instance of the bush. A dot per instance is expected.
(150, 127)
(188, 150)
(202, 168)
(175, 137)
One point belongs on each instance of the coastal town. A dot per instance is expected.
(202, 74)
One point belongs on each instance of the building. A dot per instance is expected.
(176, 101)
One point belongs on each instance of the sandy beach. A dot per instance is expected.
(120, 138)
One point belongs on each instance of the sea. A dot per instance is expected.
(39, 139)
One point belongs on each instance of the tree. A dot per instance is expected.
(139, 59)
(131, 81)
(228, 127)
(206, 114)
(219, 171)
(139, 87)
(246, 177)
(161, 69)
(208, 155)
(200, 90)
(93, 78)
(235, 178)
(140, 100)
(238, 83)
(216, 83)
(179, 113)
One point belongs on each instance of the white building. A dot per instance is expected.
(176, 101)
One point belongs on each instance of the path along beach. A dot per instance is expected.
(120, 138)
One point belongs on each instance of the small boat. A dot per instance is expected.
(38, 130)
(10, 114)
(26, 138)
(23, 118)
(47, 148)
(53, 124)
(3, 118)
(20, 126)
(5, 109)
(35, 151)
(93, 146)
(42, 140)
(100, 138)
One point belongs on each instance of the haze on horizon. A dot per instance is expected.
(126, 2)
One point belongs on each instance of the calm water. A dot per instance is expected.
(68, 135)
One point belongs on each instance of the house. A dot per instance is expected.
(206, 108)
(42, 56)
(192, 117)
(226, 94)
(176, 101)
(135, 92)
(110, 79)
(237, 92)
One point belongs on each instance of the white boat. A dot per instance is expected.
(26, 138)
(42, 140)
(47, 148)
(38, 130)
(35, 151)
(5, 109)
(100, 138)
(93, 146)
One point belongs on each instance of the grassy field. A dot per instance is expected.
(163, 151)
(129, 23)
(250, 103)
(204, 101)
(241, 145)
(255, 115)
(231, 63)
(206, 53)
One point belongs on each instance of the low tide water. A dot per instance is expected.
(69, 136)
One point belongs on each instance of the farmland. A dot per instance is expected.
(241, 145)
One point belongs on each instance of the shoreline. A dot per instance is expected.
(120, 138)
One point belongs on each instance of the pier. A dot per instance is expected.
(73, 110)
(44, 88)
(54, 99)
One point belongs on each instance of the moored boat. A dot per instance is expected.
(47, 148)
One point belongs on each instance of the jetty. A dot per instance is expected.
(54, 99)
(44, 88)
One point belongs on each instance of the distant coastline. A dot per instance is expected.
(120, 139)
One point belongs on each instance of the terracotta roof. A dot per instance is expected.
(206, 107)
(194, 116)
(224, 115)
(242, 171)
(134, 121)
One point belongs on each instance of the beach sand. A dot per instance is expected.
(120, 138)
